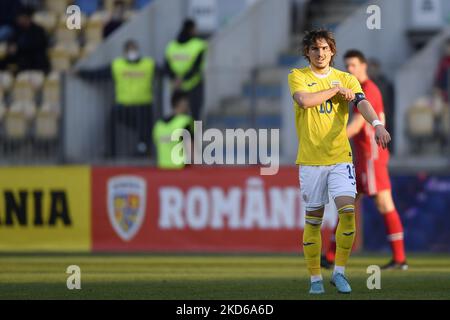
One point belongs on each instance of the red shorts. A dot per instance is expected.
(372, 176)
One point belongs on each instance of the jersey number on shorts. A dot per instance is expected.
(327, 108)
(351, 173)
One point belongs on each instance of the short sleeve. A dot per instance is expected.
(354, 85)
(296, 82)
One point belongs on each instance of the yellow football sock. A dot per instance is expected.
(345, 234)
(312, 244)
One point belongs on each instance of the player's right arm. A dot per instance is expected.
(312, 99)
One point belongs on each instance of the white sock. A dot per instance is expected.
(316, 278)
(339, 269)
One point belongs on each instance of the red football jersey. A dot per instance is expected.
(364, 141)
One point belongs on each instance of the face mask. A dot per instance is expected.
(133, 55)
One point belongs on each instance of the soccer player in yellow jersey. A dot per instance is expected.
(321, 97)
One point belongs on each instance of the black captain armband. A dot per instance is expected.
(358, 98)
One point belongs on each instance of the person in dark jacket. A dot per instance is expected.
(27, 49)
(117, 18)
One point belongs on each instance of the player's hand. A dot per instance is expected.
(347, 94)
(382, 137)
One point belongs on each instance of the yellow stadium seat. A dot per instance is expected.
(6, 80)
(420, 120)
(33, 77)
(16, 124)
(27, 108)
(65, 35)
(101, 16)
(46, 19)
(3, 50)
(109, 4)
(60, 58)
(94, 31)
(53, 107)
(23, 91)
(51, 90)
(72, 48)
(46, 125)
(57, 6)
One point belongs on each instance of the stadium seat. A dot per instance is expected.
(72, 48)
(46, 125)
(15, 123)
(46, 19)
(60, 58)
(57, 6)
(63, 34)
(420, 119)
(3, 49)
(108, 5)
(27, 108)
(33, 77)
(6, 80)
(94, 29)
(51, 107)
(51, 90)
(420, 126)
(88, 7)
(23, 91)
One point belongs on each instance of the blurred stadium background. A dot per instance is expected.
(63, 190)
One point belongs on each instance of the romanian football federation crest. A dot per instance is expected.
(126, 204)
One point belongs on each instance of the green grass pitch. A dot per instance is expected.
(210, 277)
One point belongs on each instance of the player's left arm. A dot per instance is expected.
(382, 137)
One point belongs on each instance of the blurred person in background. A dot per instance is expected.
(185, 59)
(117, 18)
(8, 12)
(133, 76)
(442, 78)
(371, 161)
(27, 46)
(375, 73)
(163, 129)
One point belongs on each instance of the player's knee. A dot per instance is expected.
(348, 209)
(315, 211)
(347, 218)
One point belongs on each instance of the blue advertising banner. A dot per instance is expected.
(423, 203)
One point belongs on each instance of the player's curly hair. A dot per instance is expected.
(312, 36)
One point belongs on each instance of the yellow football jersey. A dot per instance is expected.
(321, 130)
